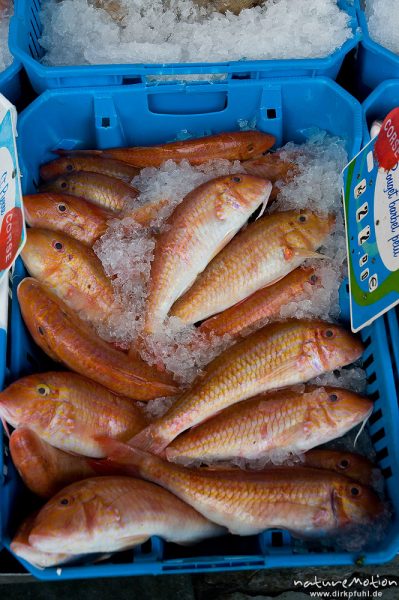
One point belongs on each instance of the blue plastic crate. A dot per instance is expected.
(10, 82)
(26, 29)
(378, 104)
(374, 62)
(138, 114)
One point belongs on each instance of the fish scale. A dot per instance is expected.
(288, 420)
(305, 501)
(262, 254)
(45, 469)
(66, 338)
(236, 145)
(265, 304)
(106, 192)
(59, 212)
(74, 273)
(72, 411)
(107, 514)
(279, 355)
(200, 226)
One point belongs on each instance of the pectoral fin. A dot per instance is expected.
(303, 253)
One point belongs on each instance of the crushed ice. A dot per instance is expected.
(126, 252)
(172, 31)
(6, 9)
(383, 23)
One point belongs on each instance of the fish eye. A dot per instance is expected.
(43, 389)
(61, 207)
(69, 167)
(333, 397)
(355, 491)
(64, 185)
(302, 218)
(250, 147)
(236, 179)
(58, 246)
(329, 333)
(343, 464)
(40, 330)
(65, 501)
(313, 279)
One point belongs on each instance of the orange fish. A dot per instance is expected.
(271, 166)
(109, 514)
(145, 214)
(272, 426)
(265, 304)
(21, 547)
(306, 502)
(263, 253)
(74, 216)
(238, 145)
(94, 164)
(351, 465)
(70, 270)
(44, 469)
(66, 338)
(68, 411)
(279, 355)
(201, 225)
(107, 192)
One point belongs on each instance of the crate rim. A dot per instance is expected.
(52, 73)
(10, 72)
(367, 41)
(225, 563)
(203, 86)
(369, 101)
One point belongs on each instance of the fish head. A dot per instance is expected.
(257, 143)
(354, 504)
(47, 252)
(58, 167)
(63, 184)
(328, 346)
(73, 516)
(343, 408)
(305, 229)
(241, 194)
(352, 465)
(27, 401)
(51, 209)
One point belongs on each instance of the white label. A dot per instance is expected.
(386, 217)
(7, 182)
(360, 188)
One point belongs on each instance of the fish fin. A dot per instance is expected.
(361, 428)
(121, 458)
(62, 152)
(120, 452)
(5, 427)
(149, 440)
(265, 202)
(304, 253)
(129, 541)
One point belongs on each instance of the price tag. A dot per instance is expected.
(371, 206)
(12, 224)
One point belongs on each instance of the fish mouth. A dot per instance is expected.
(44, 541)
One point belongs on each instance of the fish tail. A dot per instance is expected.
(149, 440)
(121, 458)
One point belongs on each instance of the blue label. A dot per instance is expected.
(371, 205)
